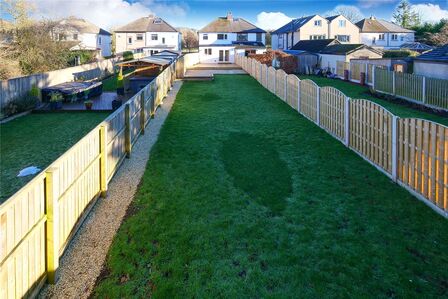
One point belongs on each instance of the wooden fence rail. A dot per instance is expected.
(38, 222)
(412, 152)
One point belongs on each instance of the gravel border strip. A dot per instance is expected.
(83, 260)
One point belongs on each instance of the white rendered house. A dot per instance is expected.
(226, 37)
(85, 35)
(148, 35)
(384, 34)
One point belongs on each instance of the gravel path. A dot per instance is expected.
(84, 258)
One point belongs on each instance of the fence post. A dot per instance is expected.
(367, 74)
(394, 147)
(373, 76)
(318, 107)
(103, 162)
(298, 97)
(347, 121)
(267, 77)
(286, 88)
(424, 90)
(142, 112)
(127, 132)
(393, 82)
(52, 237)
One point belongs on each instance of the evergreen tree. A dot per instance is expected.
(405, 16)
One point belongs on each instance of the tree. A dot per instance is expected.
(405, 16)
(352, 13)
(189, 38)
(440, 38)
(430, 32)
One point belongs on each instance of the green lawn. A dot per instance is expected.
(245, 198)
(357, 91)
(37, 140)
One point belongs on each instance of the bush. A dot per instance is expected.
(21, 104)
(128, 55)
(399, 53)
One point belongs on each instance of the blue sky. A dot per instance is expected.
(110, 14)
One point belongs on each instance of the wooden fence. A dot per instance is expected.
(430, 92)
(412, 152)
(38, 222)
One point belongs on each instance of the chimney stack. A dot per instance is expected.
(229, 16)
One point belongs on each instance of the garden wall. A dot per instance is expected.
(16, 87)
(412, 152)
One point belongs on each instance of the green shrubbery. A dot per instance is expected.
(22, 103)
(399, 53)
(128, 55)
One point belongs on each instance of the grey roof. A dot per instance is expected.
(314, 46)
(231, 25)
(439, 54)
(80, 26)
(372, 25)
(416, 46)
(147, 24)
(294, 25)
(149, 59)
(332, 18)
(344, 49)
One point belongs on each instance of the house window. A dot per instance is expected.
(99, 40)
(280, 41)
(129, 40)
(318, 23)
(154, 37)
(222, 36)
(259, 37)
(208, 51)
(157, 21)
(139, 36)
(343, 38)
(241, 37)
(61, 36)
(381, 36)
(318, 36)
(75, 36)
(402, 38)
(163, 40)
(395, 37)
(205, 37)
(342, 23)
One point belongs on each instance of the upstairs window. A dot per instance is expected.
(381, 36)
(241, 37)
(205, 36)
(222, 36)
(139, 36)
(163, 40)
(394, 37)
(154, 37)
(99, 40)
(342, 23)
(259, 37)
(318, 23)
(343, 38)
(129, 40)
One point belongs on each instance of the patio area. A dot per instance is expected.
(102, 102)
(206, 71)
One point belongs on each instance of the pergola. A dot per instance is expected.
(146, 66)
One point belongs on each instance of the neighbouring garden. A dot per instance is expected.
(243, 197)
(38, 139)
(356, 91)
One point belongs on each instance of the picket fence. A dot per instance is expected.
(430, 92)
(413, 152)
(38, 222)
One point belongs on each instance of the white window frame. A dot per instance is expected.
(99, 40)
(208, 51)
(317, 23)
(342, 23)
(343, 38)
(139, 36)
(129, 40)
(223, 35)
(394, 37)
(154, 36)
(205, 36)
(381, 36)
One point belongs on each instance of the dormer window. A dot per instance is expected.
(157, 21)
(318, 23)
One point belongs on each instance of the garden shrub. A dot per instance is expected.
(19, 105)
(128, 55)
(399, 53)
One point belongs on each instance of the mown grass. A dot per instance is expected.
(357, 91)
(38, 139)
(244, 198)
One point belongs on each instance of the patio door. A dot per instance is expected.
(223, 55)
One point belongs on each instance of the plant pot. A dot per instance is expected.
(55, 105)
(88, 106)
(120, 91)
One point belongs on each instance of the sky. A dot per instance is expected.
(269, 14)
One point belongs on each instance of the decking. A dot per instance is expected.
(100, 103)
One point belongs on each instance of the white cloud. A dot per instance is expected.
(272, 20)
(430, 12)
(373, 3)
(107, 14)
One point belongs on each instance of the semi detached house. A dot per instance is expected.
(226, 37)
(148, 35)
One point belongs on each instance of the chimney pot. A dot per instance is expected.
(229, 16)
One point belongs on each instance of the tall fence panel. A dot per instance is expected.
(409, 86)
(355, 71)
(271, 79)
(280, 86)
(332, 111)
(423, 159)
(308, 99)
(293, 91)
(436, 92)
(264, 76)
(371, 132)
(384, 80)
(341, 66)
